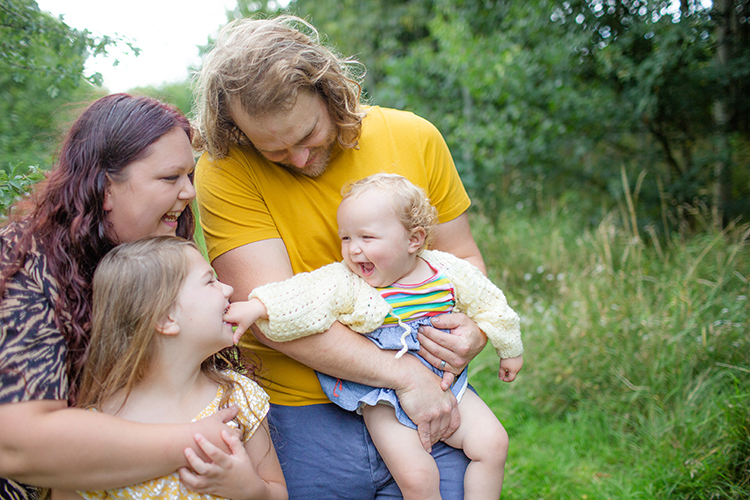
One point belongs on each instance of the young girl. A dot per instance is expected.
(387, 286)
(158, 354)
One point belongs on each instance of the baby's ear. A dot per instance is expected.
(168, 325)
(416, 239)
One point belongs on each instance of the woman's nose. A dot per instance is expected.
(188, 190)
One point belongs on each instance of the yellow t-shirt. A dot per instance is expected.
(244, 198)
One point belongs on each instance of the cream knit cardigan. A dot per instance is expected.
(309, 303)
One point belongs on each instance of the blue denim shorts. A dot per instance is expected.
(326, 453)
(352, 395)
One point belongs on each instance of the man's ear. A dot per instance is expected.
(168, 325)
(416, 239)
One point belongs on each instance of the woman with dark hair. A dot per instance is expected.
(124, 173)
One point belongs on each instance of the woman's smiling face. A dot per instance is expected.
(155, 190)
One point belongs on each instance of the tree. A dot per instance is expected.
(552, 99)
(41, 69)
(175, 93)
(677, 72)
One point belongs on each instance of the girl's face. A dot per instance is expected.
(375, 245)
(200, 308)
(156, 190)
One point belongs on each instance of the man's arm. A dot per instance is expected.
(339, 351)
(455, 237)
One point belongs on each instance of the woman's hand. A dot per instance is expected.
(452, 351)
(225, 475)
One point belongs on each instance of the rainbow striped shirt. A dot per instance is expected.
(432, 297)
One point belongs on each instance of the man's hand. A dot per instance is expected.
(434, 410)
(509, 368)
(456, 348)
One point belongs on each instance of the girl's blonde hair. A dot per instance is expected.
(262, 65)
(410, 203)
(134, 287)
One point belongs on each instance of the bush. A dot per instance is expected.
(640, 347)
(15, 181)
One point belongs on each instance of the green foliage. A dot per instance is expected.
(177, 94)
(636, 381)
(548, 98)
(15, 182)
(41, 70)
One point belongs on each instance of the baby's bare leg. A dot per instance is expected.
(412, 467)
(485, 442)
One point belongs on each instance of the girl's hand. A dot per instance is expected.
(509, 368)
(226, 475)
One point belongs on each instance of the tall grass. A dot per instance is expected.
(636, 381)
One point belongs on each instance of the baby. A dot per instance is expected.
(388, 285)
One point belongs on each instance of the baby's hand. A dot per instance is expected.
(225, 475)
(243, 314)
(509, 368)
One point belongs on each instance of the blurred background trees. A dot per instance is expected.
(544, 99)
(540, 101)
(41, 72)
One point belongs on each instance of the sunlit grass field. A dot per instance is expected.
(636, 382)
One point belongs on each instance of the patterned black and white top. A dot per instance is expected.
(32, 348)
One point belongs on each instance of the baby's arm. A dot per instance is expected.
(309, 303)
(236, 475)
(244, 314)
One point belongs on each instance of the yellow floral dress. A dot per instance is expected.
(252, 401)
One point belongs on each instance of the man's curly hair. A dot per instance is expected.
(261, 65)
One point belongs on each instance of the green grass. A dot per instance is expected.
(636, 382)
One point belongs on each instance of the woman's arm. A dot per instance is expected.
(45, 443)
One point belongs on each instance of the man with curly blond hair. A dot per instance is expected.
(282, 130)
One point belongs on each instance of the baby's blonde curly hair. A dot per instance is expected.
(410, 203)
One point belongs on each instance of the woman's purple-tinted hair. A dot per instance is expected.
(65, 212)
